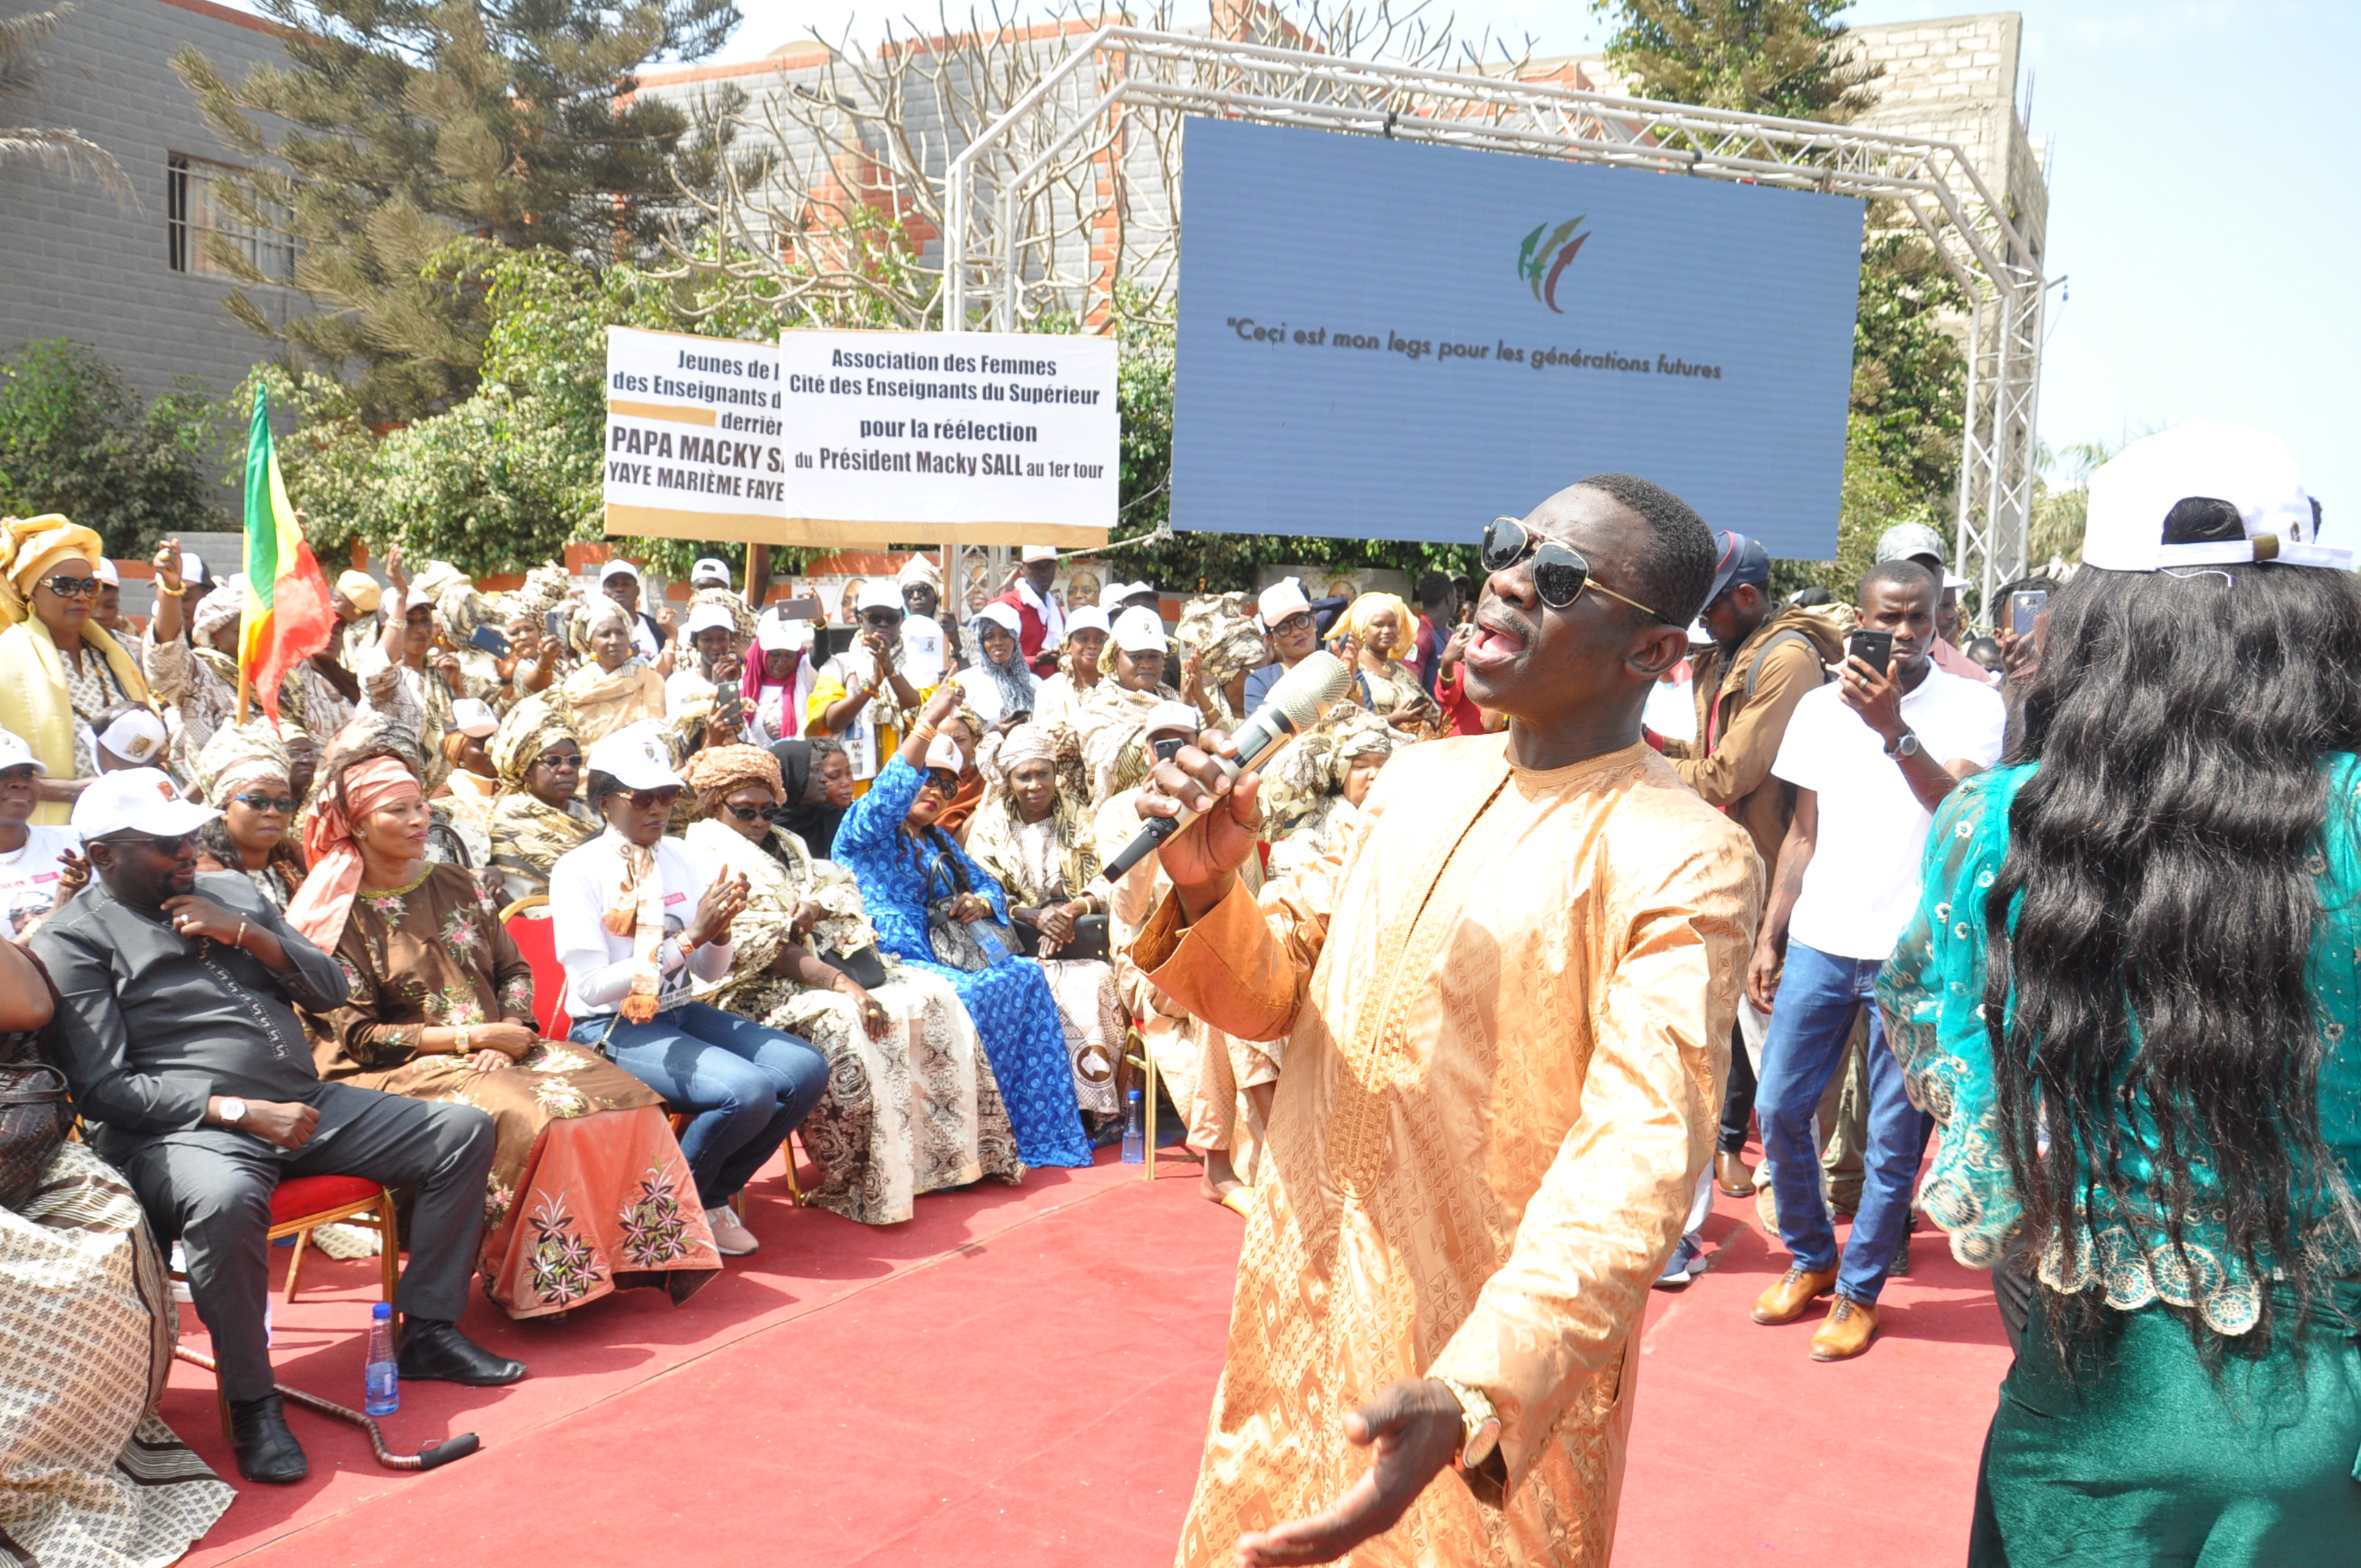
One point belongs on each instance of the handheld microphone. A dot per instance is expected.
(1291, 706)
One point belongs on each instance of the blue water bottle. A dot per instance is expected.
(1135, 1135)
(384, 1375)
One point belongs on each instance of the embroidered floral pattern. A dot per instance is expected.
(558, 1097)
(565, 1265)
(656, 1226)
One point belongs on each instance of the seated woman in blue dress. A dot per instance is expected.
(907, 866)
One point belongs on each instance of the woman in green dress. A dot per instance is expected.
(2132, 1001)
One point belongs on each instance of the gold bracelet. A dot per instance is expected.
(180, 592)
(924, 729)
(238, 941)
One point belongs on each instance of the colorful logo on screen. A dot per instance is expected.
(1542, 259)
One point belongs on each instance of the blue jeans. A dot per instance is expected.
(745, 1086)
(1818, 996)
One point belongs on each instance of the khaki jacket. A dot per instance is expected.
(1744, 709)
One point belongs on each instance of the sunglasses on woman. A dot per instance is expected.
(67, 587)
(1560, 571)
(882, 618)
(746, 813)
(554, 760)
(284, 804)
(642, 799)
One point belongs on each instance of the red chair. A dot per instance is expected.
(301, 1202)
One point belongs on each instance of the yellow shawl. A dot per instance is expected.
(35, 704)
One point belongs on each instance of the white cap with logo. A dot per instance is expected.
(944, 753)
(709, 616)
(879, 593)
(636, 757)
(15, 753)
(471, 716)
(136, 800)
(1167, 717)
(711, 569)
(2249, 470)
(1137, 629)
(1033, 552)
(134, 736)
(777, 634)
(1089, 617)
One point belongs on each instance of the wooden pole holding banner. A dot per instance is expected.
(758, 576)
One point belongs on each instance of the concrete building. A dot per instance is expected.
(131, 280)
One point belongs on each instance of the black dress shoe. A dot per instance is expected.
(267, 1451)
(436, 1352)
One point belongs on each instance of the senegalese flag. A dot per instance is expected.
(287, 617)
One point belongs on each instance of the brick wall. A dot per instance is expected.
(78, 263)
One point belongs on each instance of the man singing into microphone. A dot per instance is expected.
(1509, 996)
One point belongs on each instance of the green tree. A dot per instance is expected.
(399, 124)
(75, 439)
(1787, 58)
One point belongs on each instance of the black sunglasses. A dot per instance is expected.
(642, 799)
(746, 813)
(72, 587)
(282, 803)
(1560, 571)
(554, 760)
(881, 617)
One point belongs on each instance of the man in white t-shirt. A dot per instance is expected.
(32, 857)
(1871, 756)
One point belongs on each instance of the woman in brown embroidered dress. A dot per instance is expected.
(588, 1192)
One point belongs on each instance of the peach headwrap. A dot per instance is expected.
(324, 902)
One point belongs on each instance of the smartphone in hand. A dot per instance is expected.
(2024, 608)
(1874, 649)
(490, 640)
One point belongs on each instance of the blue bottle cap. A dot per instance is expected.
(382, 1309)
(1132, 1094)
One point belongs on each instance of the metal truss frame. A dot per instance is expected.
(1060, 160)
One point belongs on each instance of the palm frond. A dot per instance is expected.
(19, 36)
(67, 152)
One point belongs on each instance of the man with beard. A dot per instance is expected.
(1507, 994)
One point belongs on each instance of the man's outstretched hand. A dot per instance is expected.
(1202, 857)
(1415, 1426)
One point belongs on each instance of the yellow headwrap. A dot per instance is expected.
(360, 590)
(1363, 610)
(33, 700)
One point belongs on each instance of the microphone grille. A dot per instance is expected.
(1311, 689)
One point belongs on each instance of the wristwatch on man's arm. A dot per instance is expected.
(1480, 1436)
(1903, 745)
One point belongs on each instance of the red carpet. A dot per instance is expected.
(1021, 1377)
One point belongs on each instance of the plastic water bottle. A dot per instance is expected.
(384, 1375)
(1135, 1135)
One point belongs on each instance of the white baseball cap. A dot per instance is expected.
(636, 756)
(1137, 629)
(1004, 616)
(2136, 491)
(1089, 617)
(943, 753)
(106, 573)
(134, 736)
(136, 800)
(710, 569)
(879, 593)
(470, 716)
(1281, 600)
(15, 753)
(192, 568)
(619, 568)
(777, 634)
(1166, 716)
(707, 617)
(1033, 552)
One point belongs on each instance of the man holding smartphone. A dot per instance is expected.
(1871, 756)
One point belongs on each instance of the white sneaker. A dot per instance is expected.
(730, 1239)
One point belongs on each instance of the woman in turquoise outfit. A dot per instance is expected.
(2131, 1002)
(906, 863)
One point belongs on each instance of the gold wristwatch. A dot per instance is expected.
(1480, 1425)
(459, 1041)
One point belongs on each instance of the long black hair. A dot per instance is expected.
(2166, 853)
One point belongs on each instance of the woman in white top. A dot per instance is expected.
(1059, 698)
(745, 1086)
(33, 861)
(999, 687)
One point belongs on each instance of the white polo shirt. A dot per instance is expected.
(1861, 887)
(29, 875)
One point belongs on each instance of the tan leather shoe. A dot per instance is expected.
(1793, 1296)
(1850, 1326)
(1733, 1176)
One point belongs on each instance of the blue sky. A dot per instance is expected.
(2199, 200)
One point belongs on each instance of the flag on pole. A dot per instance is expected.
(288, 615)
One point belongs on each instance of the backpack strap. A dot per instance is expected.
(1754, 671)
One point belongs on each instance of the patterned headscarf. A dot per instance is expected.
(741, 616)
(717, 772)
(1317, 765)
(238, 756)
(531, 726)
(218, 609)
(545, 587)
(1221, 629)
(325, 901)
(920, 568)
(589, 614)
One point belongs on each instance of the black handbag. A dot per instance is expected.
(863, 964)
(1089, 940)
(36, 1113)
